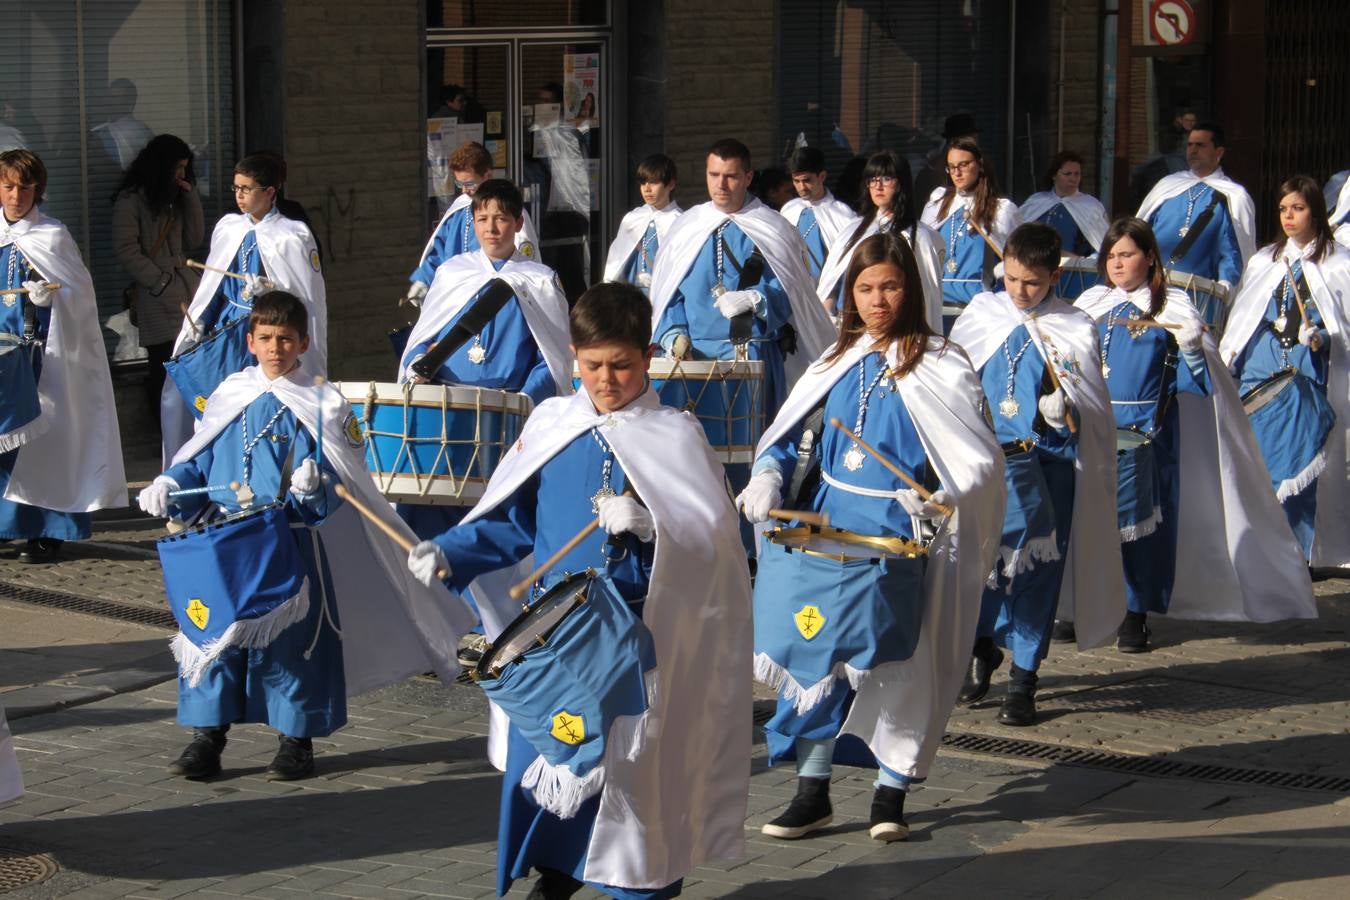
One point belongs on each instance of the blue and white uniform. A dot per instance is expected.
(922, 240)
(632, 255)
(819, 222)
(1081, 222)
(963, 272)
(454, 235)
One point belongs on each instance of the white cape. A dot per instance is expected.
(1329, 281)
(683, 801)
(392, 625)
(1240, 206)
(527, 239)
(928, 252)
(631, 229)
(782, 248)
(72, 461)
(1006, 215)
(1093, 592)
(1087, 212)
(1341, 210)
(902, 708)
(541, 300)
(290, 257)
(11, 779)
(1237, 560)
(833, 216)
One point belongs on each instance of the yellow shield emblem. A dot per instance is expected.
(353, 431)
(568, 728)
(200, 403)
(809, 621)
(198, 613)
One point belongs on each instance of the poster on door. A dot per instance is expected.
(581, 88)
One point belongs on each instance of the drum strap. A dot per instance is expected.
(747, 275)
(1197, 227)
(808, 463)
(1166, 385)
(473, 320)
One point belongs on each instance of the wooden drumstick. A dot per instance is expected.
(390, 530)
(1149, 323)
(49, 285)
(894, 469)
(193, 264)
(518, 590)
(190, 492)
(1054, 378)
(820, 520)
(998, 251)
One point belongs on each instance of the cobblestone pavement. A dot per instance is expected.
(404, 804)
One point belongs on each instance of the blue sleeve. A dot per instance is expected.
(673, 320)
(426, 271)
(313, 510)
(191, 474)
(781, 456)
(539, 385)
(501, 538)
(777, 310)
(1230, 254)
(1193, 374)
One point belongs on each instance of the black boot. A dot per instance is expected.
(1019, 707)
(1063, 632)
(554, 885)
(809, 811)
(984, 659)
(1132, 635)
(294, 760)
(201, 758)
(888, 815)
(40, 550)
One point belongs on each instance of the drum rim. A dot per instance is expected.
(1133, 429)
(1186, 281)
(894, 547)
(482, 671)
(1082, 264)
(460, 396)
(239, 515)
(1286, 374)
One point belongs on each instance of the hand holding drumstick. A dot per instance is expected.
(923, 492)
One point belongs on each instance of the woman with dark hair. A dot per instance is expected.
(968, 211)
(266, 246)
(888, 206)
(1079, 218)
(157, 222)
(1288, 325)
(885, 615)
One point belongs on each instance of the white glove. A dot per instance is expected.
(416, 292)
(910, 501)
(1308, 336)
(1053, 407)
(624, 515)
(39, 293)
(763, 493)
(306, 480)
(734, 303)
(424, 560)
(256, 286)
(916, 506)
(154, 499)
(938, 504)
(1189, 336)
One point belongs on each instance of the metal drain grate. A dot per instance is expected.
(1157, 766)
(19, 868)
(125, 612)
(1169, 700)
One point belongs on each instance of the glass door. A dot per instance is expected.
(469, 91)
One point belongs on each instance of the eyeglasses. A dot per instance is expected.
(467, 185)
(243, 190)
(881, 181)
(961, 166)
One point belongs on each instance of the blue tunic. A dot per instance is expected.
(888, 427)
(1019, 612)
(1071, 236)
(816, 248)
(1214, 255)
(455, 236)
(19, 520)
(1264, 356)
(299, 691)
(1137, 375)
(548, 509)
(229, 303)
(643, 259)
(964, 246)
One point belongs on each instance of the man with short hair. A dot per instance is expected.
(815, 212)
(1204, 221)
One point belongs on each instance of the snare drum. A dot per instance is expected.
(1138, 487)
(1209, 297)
(565, 672)
(20, 408)
(200, 369)
(1292, 420)
(435, 444)
(233, 583)
(832, 604)
(1077, 274)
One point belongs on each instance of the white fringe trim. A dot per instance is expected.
(13, 440)
(1303, 480)
(804, 699)
(557, 790)
(628, 735)
(1142, 529)
(193, 661)
(1023, 559)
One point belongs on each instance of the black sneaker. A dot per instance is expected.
(888, 815)
(982, 666)
(554, 885)
(40, 550)
(809, 811)
(1062, 632)
(1132, 636)
(201, 758)
(294, 760)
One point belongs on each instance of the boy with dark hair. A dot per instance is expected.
(268, 433)
(1039, 361)
(818, 217)
(632, 255)
(677, 797)
(471, 166)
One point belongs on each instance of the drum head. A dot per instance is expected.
(533, 627)
(836, 543)
(1267, 390)
(1129, 438)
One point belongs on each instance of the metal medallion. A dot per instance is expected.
(951, 266)
(718, 290)
(1008, 407)
(853, 459)
(1181, 232)
(1106, 371)
(477, 354)
(644, 279)
(1281, 323)
(600, 496)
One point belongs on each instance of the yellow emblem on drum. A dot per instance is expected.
(198, 613)
(809, 621)
(200, 403)
(352, 429)
(568, 728)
